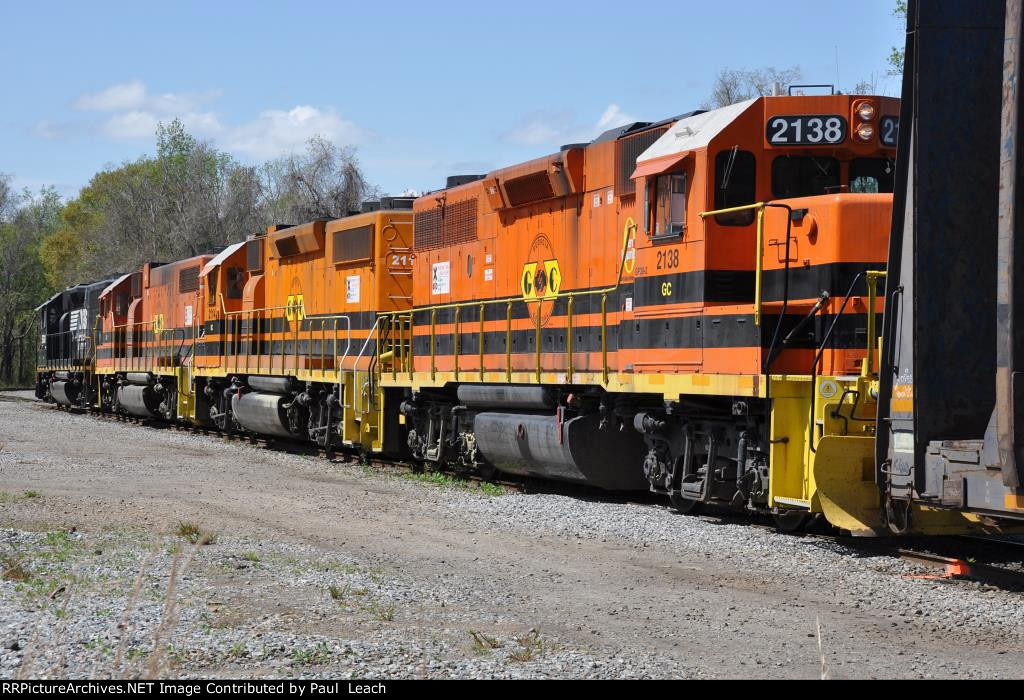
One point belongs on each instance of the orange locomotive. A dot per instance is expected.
(291, 331)
(687, 306)
(660, 307)
(145, 339)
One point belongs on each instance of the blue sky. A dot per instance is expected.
(422, 90)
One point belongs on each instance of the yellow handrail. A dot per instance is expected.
(627, 238)
(260, 331)
(873, 277)
(759, 274)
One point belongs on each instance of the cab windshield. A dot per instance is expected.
(804, 176)
(872, 175)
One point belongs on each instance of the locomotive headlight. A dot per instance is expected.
(866, 111)
(865, 132)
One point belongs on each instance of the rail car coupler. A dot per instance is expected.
(647, 424)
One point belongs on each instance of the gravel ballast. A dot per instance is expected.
(324, 569)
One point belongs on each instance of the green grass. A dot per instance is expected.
(482, 644)
(193, 533)
(530, 646)
(384, 613)
(14, 569)
(312, 657)
(338, 593)
(454, 481)
(491, 489)
(6, 497)
(43, 569)
(252, 556)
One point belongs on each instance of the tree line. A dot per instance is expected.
(188, 198)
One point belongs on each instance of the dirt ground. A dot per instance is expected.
(685, 597)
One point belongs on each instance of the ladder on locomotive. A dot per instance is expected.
(395, 339)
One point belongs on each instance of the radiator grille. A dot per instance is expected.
(454, 224)
(529, 188)
(460, 222)
(353, 244)
(626, 152)
(427, 233)
(188, 279)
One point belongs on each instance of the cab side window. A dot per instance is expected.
(236, 282)
(668, 215)
(211, 287)
(735, 185)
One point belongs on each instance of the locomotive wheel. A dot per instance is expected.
(791, 521)
(685, 506)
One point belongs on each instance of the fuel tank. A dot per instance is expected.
(262, 413)
(139, 401)
(575, 451)
(66, 393)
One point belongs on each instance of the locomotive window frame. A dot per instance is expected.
(735, 185)
(803, 170)
(235, 282)
(211, 286)
(873, 169)
(669, 191)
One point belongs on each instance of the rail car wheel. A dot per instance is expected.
(791, 521)
(685, 506)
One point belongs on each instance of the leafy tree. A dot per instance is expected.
(190, 198)
(24, 221)
(897, 57)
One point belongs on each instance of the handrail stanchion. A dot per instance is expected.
(482, 308)
(604, 337)
(456, 338)
(394, 348)
(508, 342)
(433, 344)
(568, 337)
(540, 308)
(412, 346)
(873, 278)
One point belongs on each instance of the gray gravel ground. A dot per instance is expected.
(327, 569)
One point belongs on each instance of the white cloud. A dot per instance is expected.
(128, 112)
(541, 128)
(613, 117)
(114, 98)
(560, 128)
(276, 132)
